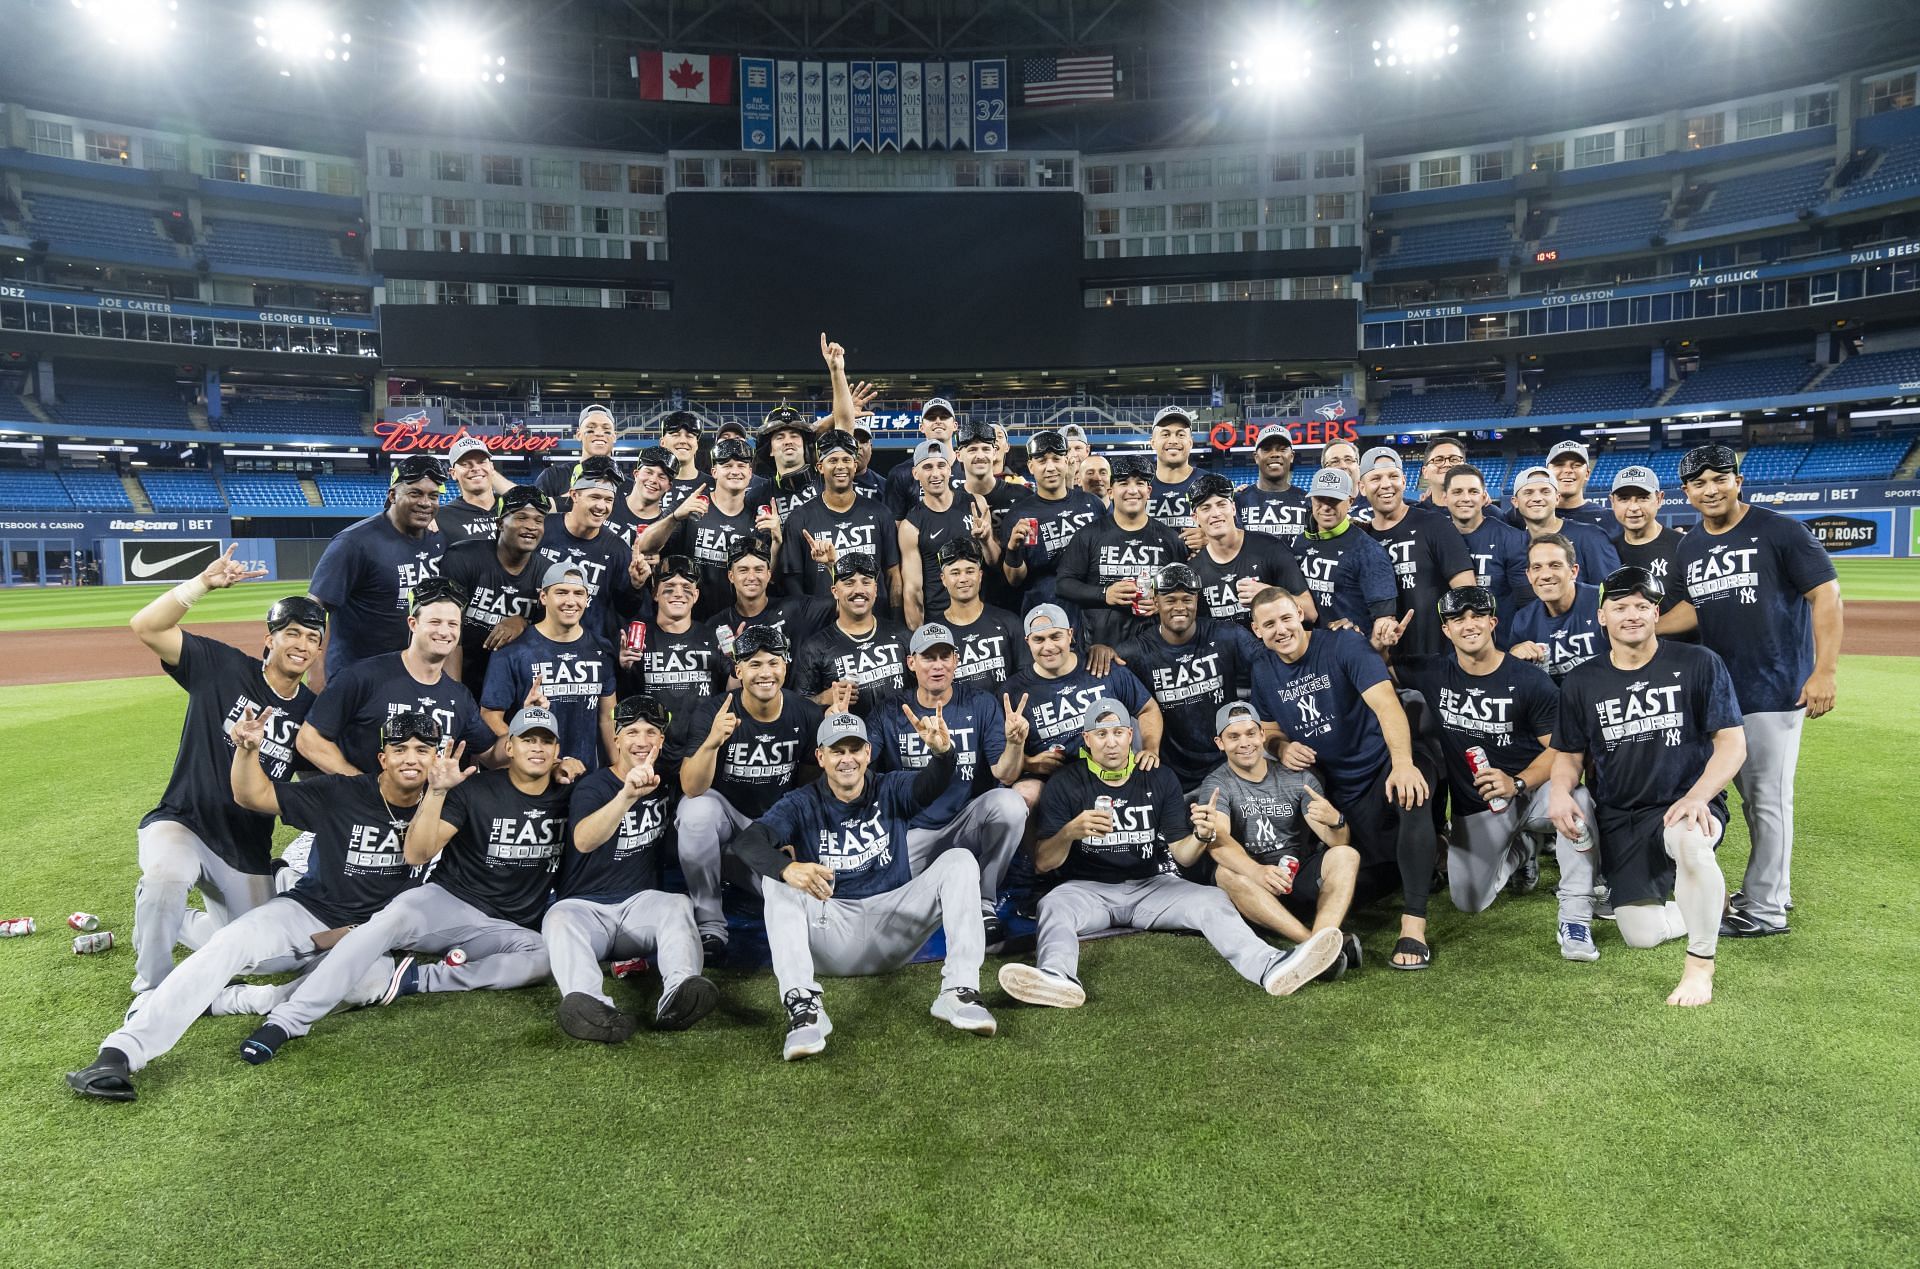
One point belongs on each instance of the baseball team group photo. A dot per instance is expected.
(1396, 751)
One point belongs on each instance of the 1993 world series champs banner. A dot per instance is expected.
(873, 105)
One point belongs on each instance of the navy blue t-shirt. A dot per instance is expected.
(1316, 701)
(1505, 713)
(603, 560)
(1191, 681)
(864, 841)
(1262, 558)
(760, 761)
(360, 699)
(990, 649)
(358, 864)
(1571, 638)
(979, 729)
(1427, 554)
(1350, 575)
(1168, 504)
(1592, 550)
(629, 861)
(1283, 513)
(575, 676)
(1749, 587)
(1149, 815)
(1649, 732)
(364, 578)
(1060, 519)
(505, 846)
(1498, 552)
(1056, 706)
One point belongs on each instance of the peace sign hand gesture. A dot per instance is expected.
(932, 728)
(250, 729)
(1018, 728)
(981, 521)
(446, 771)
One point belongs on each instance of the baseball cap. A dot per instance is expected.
(1702, 458)
(1045, 617)
(466, 446)
(1534, 475)
(1170, 413)
(1330, 482)
(930, 449)
(533, 718)
(732, 427)
(1105, 712)
(640, 708)
(960, 548)
(521, 496)
(756, 639)
(436, 590)
(1234, 712)
(938, 403)
(1209, 485)
(855, 564)
(862, 433)
(731, 450)
(588, 410)
(974, 432)
(1641, 478)
(1073, 432)
(680, 421)
(1377, 455)
(408, 725)
(561, 572)
(1465, 599)
(1132, 467)
(416, 467)
(1633, 580)
(835, 441)
(661, 458)
(597, 473)
(1274, 433)
(297, 610)
(1567, 447)
(931, 635)
(758, 545)
(1047, 441)
(835, 728)
(1176, 579)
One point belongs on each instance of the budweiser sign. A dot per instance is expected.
(414, 436)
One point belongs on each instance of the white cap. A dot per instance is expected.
(1534, 475)
(1568, 447)
(1166, 412)
(1641, 478)
(938, 403)
(467, 445)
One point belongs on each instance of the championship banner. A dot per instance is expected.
(912, 101)
(839, 111)
(990, 105)
(935, 79)
(787, 97)
(886, 79)
(960, 105)
(862, 104)
(756, 103)
(812, 104)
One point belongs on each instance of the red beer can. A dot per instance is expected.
(1477, 761)
(637, 636)
(1291, 863)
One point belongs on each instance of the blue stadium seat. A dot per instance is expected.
(1626, 221)
(32, 489)
(106, 407)
(268, 493)
(76, 226)
(358, 491)
(1442, 405)
(1593, 394)
(1871, 458)
(1902, 365)
(1486, 238)
(1895, 176)
(1774, 464)
(1742, 380)
(182, 490)
(96, 490)
(291, 418)
(1762, 195)
(247, 246)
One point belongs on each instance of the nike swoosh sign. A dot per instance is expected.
(144, 567)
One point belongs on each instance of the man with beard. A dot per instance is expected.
(1101, 573)
(938, 423)
(1428, 556)
(560, 667)
(501, 580)
(581, 538)
(1232, 565)
(1350, 574)
(1193, 665)
(1497, 549)
(1054, 695)
(1560, 628)
(595, 433)
(841, 521)
(988, 639)
(706, 526)
(785, 440)
(942, 514)
(1042, 525)
(749, 578)
(365, 573)
(1271, 504)
(681, 663)
(861, 655)
(1537, 512)
(742, 751)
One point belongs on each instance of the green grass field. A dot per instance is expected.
(1504, 1108)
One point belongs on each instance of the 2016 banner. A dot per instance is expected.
(874, 105)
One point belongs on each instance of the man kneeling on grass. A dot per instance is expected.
(1113, 834)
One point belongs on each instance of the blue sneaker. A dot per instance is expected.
(405, 981)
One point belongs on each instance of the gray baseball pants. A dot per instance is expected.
(989, 829)
(1164, 902)
(703, 825)
(1479, 863)
(1765, 782)
(849, 938)
(429, 918)
(173, 860)
(580, 933)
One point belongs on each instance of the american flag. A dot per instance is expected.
(1049, 81)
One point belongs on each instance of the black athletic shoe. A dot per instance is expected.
(586, 1018)
(1738, 899)
(1736, 924)
(691, 1001)
(108, 1078)
(996, 927)
(1526, 872)
(263, 1045)
(713, 949)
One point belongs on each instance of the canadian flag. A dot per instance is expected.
(684, 77)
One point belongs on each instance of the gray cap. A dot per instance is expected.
(835, 728)
(1535, 474)
(1166, 412)
(1636, 478)
(595, 408)
(931, 449)
(1377, 455)
(1233, 712)
(937, 403)
(533, 718)
(561, 572)
(1567, 447)
(1105, 712)
(1072, 430)
(1046, 617)
(1330, 482)
(931, 635)
(1274, 432)
(468, 445)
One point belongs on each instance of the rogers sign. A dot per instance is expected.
(411, 436)
(1328, 420)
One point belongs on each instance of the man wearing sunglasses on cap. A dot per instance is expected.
(1662, 725)
(862, 654)
(341, 733)
(613, 571)
(1272, 504)
(706, 525)
(1037, 529)
(1764, 595)
(681, 662)
(367, 569)
(837, 524)
(1483, 699)
(502, 582)
(561, 667)
(595, 433)
(646, 497)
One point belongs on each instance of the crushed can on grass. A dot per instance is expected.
(84, 921)
(88, 944)
(457, 957)
(17, 927)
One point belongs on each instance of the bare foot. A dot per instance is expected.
(1696, 984)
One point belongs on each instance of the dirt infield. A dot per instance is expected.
(71, 656)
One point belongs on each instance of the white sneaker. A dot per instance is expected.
(1037, 986)
(1576, 941)
(1294, 970)
(807, 1026)
(960, 1007)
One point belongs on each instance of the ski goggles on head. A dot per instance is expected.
(677, 566)
(436, 590)
(417, 467)
(412, 725)
(1046, 442)
(520, 497)
(1633, 580)
(640, 708)
(1461, 600)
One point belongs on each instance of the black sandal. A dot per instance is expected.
(1411, 947)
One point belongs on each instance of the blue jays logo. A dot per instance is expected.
(887, 79)
(759, 136)
(415, 416)
(786, 79)
(838, 78)
(990, 137)
(813, 79)
(1332, 410)
(862, 80)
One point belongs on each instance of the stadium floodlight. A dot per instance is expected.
(297, 35)
(457, 56)
(1568, 28)
(1275, 63)
(1417, 42)
(133, 24)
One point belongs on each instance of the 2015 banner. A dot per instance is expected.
(874, 105)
